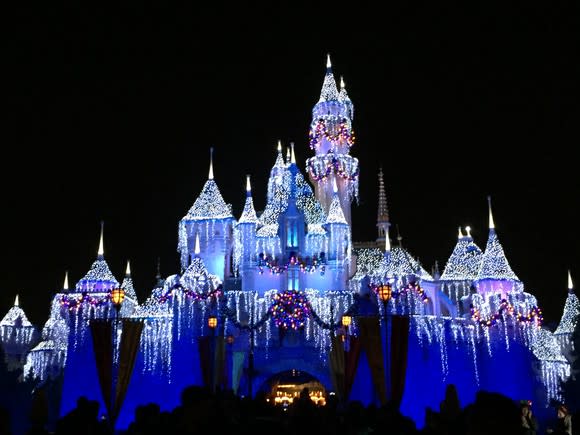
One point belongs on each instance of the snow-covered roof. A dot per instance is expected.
(209, 204)
(464, 262)
(494, 264)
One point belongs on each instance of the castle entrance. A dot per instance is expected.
(285, 387)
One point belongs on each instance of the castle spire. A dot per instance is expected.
(468, 230)
(382, 211)
(570, 284)
(292, 155)
(491, 222)
(210, 175)
(460, 234)
(101, 251)
(65, 285)
(128, 269)
(16, 301)
(288, 157)
(249, 212)
(329, 91)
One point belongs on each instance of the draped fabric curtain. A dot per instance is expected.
(204, 346)
(371, 343)
(351, 364)
(399, 349)
(337, 366)
(130, 339)
(102, 335)
(220, 362)
(237, 369)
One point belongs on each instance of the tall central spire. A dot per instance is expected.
(383, 211)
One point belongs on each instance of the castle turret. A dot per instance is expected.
(565, 329)
(331, 137)
(339, 241)
(245, 234)
(99, 279)
(462, 267)
(495, 275)
(17, 336)
(212, 219)
(130, 301)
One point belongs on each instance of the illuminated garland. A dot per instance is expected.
(74, 301)
(290, 309)
(535, 315)
(305, 266)
(333, 165)
(193, 295)
(410, 287)
(320, 131)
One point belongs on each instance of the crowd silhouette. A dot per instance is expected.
(202, 412)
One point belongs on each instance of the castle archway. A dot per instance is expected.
(284, 387)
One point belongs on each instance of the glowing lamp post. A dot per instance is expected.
(212, 323)
(385, 292)
(117, 297)
(346, 321)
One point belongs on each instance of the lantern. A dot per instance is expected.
(212, 322)
(117, 297)
(346, 321)
(385, 292)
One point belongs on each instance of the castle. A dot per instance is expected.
(285, 297)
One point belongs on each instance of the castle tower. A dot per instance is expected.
(210, 218)
(339, 244)
(383, 223)
(331, 137)
(245, 234)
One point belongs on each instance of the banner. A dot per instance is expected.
(205, 361)
(350, 364)
(336, 359)
(130, 339)
(102, 335)
(237, 369)
(399, 348)
(371, 343)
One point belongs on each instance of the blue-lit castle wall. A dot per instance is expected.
(279, 284)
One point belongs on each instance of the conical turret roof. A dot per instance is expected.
(15, 316)
(329, 91)
(464, 262)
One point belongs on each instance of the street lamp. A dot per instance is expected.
(212, 323)
(385, 292)
(117, 297)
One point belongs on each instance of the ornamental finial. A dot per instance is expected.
(101, 251)
(491, 222)
(210, 175)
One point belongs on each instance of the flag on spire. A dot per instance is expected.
(570, 284)
(65, 285)
(16, 302)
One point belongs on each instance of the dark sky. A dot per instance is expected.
(112, 111)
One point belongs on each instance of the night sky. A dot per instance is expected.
(112, 112)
